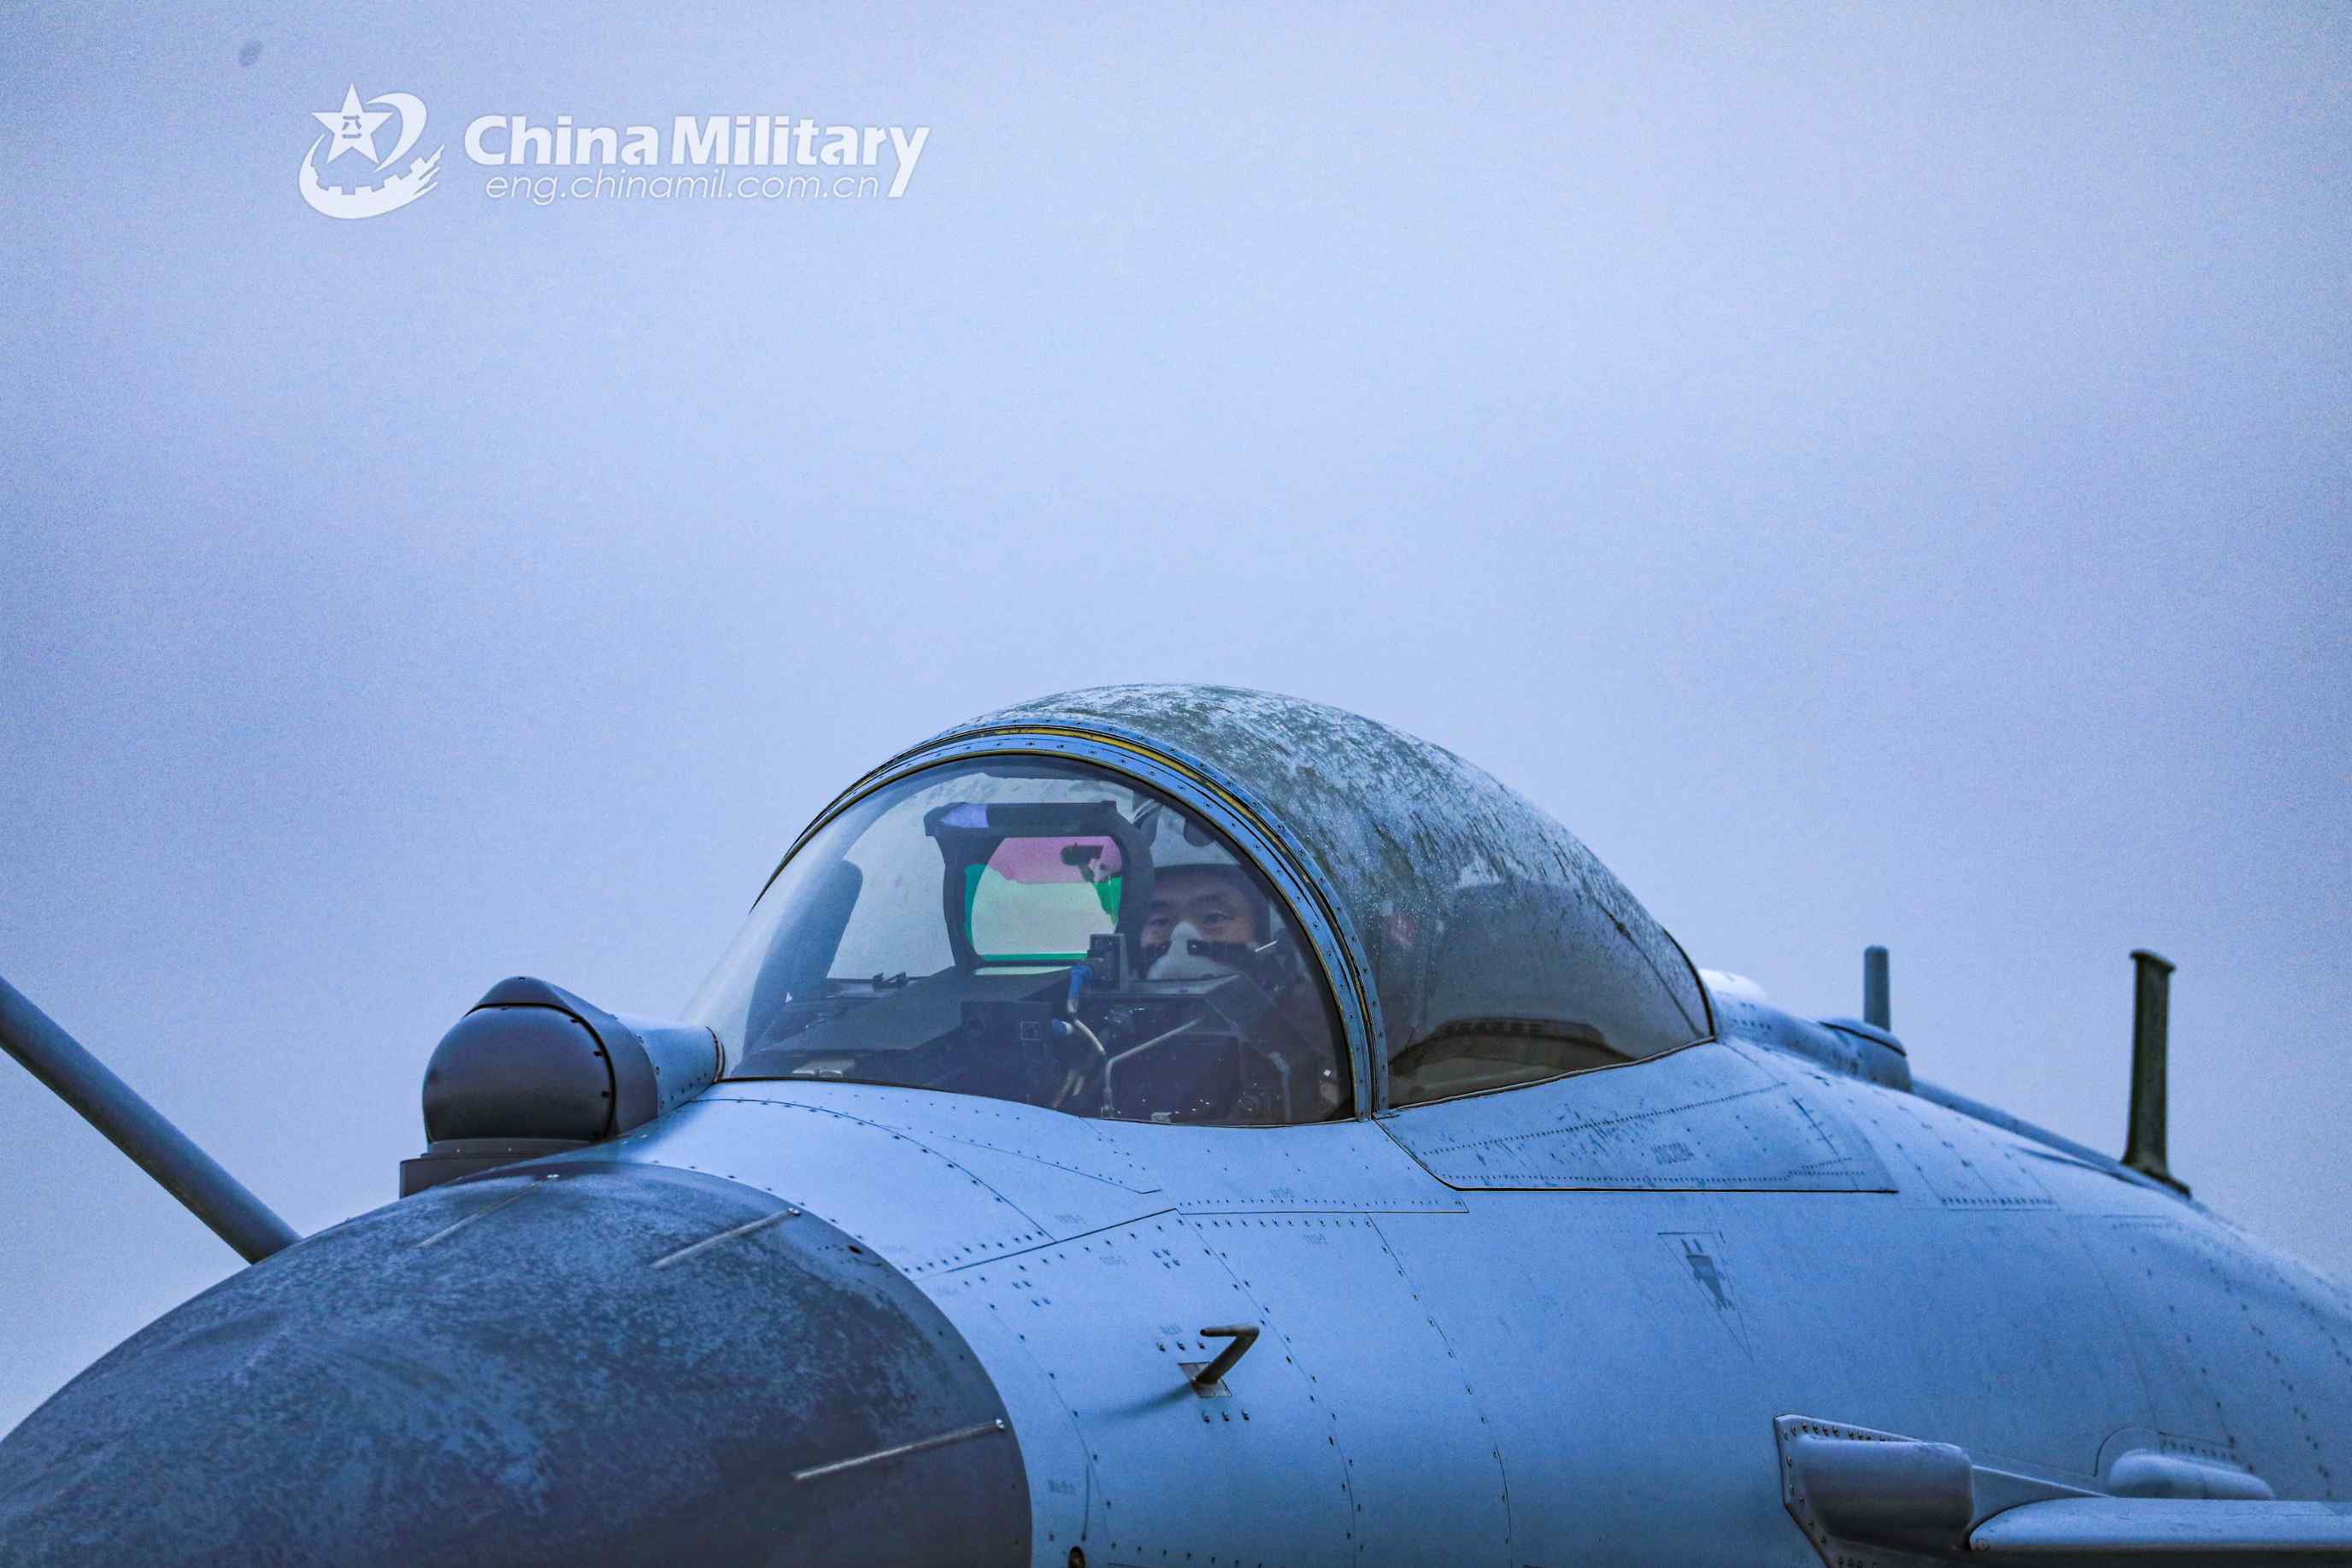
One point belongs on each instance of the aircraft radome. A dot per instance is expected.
(1185, 1127)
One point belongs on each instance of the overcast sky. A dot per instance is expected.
(1877, 475)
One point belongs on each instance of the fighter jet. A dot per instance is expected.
(1164, 1125)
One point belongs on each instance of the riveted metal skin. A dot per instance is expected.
(565, 1363)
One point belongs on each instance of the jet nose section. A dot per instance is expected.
(583, 1361)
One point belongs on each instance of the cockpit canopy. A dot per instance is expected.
(1499, 949)
(1047, 904)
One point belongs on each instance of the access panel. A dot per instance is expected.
(1252, 1474)
(1424, 1468)
(1712, 1118)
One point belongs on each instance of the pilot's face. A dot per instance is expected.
(1213, 901)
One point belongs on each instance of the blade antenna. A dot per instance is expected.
(2151, 1025)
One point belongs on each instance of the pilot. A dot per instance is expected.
(1210, 916)
(1207, 915)
(1192, 905)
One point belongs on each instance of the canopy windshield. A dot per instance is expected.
(1032, 929)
